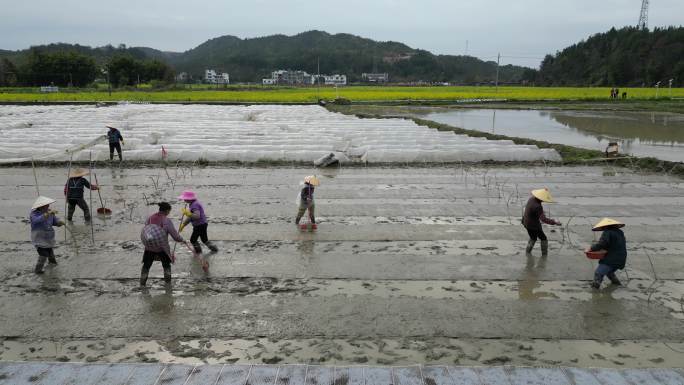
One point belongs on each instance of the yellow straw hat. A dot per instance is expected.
(606, 222)
(312, 180)
(78, 172)
(543, 194)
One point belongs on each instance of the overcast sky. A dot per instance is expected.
(522, 30)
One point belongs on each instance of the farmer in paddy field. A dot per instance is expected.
(73, 190)
(534, 216)
(194, 214)
(115, 142)
(306, 200)
(42, 233)
(155, 238)
(614, 243)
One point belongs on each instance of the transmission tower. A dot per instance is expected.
(643, 18)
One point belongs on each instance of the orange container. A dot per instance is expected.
(595, 254)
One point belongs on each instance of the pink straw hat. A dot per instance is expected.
(188, 195)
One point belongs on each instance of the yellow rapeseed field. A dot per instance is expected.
(353, 93)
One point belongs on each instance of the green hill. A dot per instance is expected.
(250, 60)
(624, 57)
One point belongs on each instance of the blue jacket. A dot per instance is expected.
(114, 136)
(613, 240)
(73, 189)
(42, 233)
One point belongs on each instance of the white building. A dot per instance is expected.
(338, 80)
(182, 77)
(302, 78)
(375, 77)
(212, 77)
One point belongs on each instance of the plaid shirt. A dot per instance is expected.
(158, 236)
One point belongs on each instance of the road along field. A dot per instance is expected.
(409, 265)
(252, 94)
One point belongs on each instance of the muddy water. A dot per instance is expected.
(654, 134)
(409, 265)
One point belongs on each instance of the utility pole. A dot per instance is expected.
(466, 51)
(498, 60)
(318, 77)
(671, 80)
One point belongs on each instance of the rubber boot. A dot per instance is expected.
(39, 265)
(545, 248)
(167, 274)
(530, 246)
(595, 284)
(198, 248)
(613, 279)
(143, 276)
(299, 218)
(52, 260)
(211, 247)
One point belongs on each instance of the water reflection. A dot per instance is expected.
(654, 134)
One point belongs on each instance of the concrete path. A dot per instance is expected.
(19, 373)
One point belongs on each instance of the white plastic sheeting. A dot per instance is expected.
(240, 133)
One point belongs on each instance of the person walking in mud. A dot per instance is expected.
(42, 233)
(73, 190)
(306, 200)
(115, 142)
(534, 216)
(194, 214)
(614, 243)
(155, 238)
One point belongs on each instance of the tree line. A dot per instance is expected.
(619, 57)
(42, 67)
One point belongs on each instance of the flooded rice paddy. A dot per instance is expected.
(409, 265)
(643, 134)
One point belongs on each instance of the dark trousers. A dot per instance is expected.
(536, 233)
(199, 231)
(115, 146)
(72, 207)
(605, 271)
(45, 254)
(150, 256)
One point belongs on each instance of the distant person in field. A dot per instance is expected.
(624, 95)
(306, 199)
(115, 142)
(534, 216)
(42, 234)
(614, 243)
(73, 190)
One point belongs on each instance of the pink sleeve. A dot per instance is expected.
(172, 231)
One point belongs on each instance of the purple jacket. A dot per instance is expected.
(198, 217)
(42, 233)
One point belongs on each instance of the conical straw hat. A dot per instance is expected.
(42, 201)
(543, 194)
(605, 222)
(312, 180)
(78, 172)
